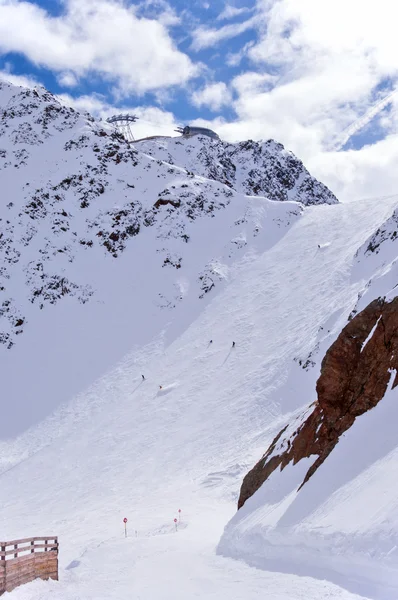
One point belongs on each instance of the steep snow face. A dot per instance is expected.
(348, 508)
(254, 168)
(75, 199)
(376, 260)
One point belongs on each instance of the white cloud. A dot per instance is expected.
(67, 79)
(95, 104)
(214, 96)
(104, 37)
(297, 29)
(230, 12)
(233, 59)
(368, 173)
(335, 62)
(22, 80)
(252, 82)
(207, 37)
(154, 121)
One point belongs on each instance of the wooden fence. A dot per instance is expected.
(22, 561)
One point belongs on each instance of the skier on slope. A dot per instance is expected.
(233, 344)
(143, 378)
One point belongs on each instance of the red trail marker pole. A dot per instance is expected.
(179, 514)
(125, 526)
(176, 524)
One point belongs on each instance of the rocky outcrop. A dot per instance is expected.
(355, 373)
(388, 231)
(255, 168)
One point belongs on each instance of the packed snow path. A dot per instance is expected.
(122, 449)
(173, 566)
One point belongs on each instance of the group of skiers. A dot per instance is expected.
(161, 387)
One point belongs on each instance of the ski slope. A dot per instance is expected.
(123, 447)
(98, 238)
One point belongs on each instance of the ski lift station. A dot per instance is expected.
(123, 124)
(189, 131)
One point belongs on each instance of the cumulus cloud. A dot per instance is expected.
(253, 82)
(316, 80)
(214, 96)
(295, 30)
(327, 64)
(368, 173)
(67, 79)
(104, 37)
(316, 73)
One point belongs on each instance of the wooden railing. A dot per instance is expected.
(24, 560)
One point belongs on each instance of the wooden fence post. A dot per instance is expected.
(26, 560)
(2, 569)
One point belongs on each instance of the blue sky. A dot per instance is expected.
(294, 70)
(210, 60)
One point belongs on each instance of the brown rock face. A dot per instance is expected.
(354, 378)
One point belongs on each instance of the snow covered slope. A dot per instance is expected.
(76, 197)
(208, 263)
(127, 448)
(342, 523)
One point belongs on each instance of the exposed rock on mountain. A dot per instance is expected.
(388, 231)
(253, 168)
(354, 377)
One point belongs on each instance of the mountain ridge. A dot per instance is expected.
(88, 188)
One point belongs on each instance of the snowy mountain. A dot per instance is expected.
(151, 260)
(78, 197)
(81, 187)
